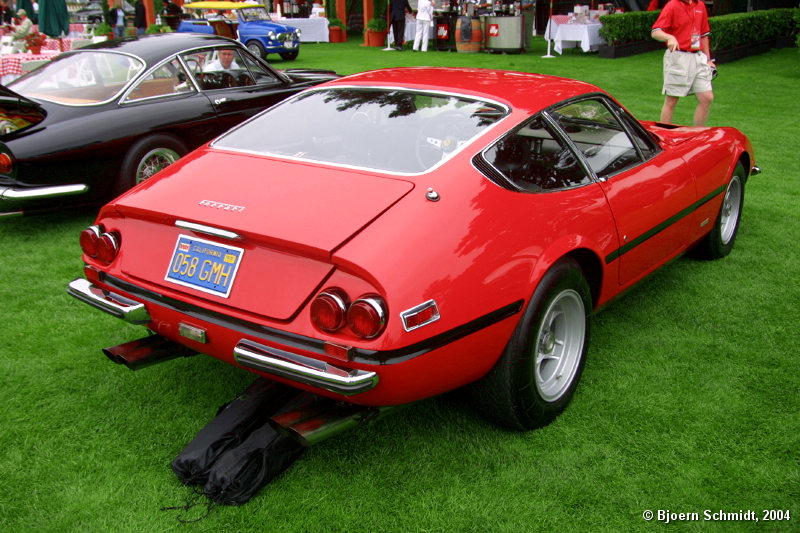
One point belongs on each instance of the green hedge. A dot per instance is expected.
(727, 31)
(741, 29)
(627, 27)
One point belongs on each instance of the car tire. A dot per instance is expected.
(719, 241)
(257, 49)
(536, 376)
(289, 56)
(146, 157)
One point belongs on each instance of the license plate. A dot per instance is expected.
(204, 265)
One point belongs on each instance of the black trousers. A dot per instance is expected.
(399, 28)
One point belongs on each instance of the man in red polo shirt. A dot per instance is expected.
(688, 67)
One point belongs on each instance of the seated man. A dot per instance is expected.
(24, 27)
(225, 61)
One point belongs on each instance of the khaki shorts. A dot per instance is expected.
(686, 73)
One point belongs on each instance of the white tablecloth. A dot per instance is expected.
(313, 30)
(565, 35)
(410, 31)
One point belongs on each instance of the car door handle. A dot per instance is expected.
(220, 101)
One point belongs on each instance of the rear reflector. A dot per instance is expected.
(420, 315)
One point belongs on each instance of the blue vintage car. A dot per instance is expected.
(252, 26)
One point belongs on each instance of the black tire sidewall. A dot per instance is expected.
(127, 175)
(262, 52)
(712, 246)
(531, 409)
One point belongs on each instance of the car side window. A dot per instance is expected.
(220, 68)
(535, 160)
(261, 75)
(168, 79)
(598, 135)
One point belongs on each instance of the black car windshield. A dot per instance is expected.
(82, 78)
(391, 130)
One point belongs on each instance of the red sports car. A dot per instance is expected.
(406, 232)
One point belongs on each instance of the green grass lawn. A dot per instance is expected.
(688, 402)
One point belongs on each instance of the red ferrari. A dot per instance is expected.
(395, 234)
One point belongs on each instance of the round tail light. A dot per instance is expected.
(107, 247)
(367, 316)
(6, 164)
(329, 308)
(90, 238)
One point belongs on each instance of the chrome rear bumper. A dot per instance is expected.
(38, 193)
(303, 369)
(248, 354)
(109, 302)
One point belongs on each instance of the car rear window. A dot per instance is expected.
(391, 130)
(83, 78)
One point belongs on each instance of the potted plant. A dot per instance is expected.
(375, 32)
(337, 33)
(34, 42)
(158, 28)
(102, 32)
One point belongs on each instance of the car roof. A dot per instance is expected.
(155, 47)
(520, 90)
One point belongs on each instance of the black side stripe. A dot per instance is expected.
(616, 254)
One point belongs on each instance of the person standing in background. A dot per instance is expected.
(116, 19)
(140, 18)
(424, 23)
(397, 16)
(5, 13)
(688, 67)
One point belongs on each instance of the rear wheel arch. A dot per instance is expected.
(585, 255)
(150, 147)
(592, 267)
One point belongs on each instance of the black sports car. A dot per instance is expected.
(95, 121)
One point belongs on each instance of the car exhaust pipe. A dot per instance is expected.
(311, 419)
(147, 351)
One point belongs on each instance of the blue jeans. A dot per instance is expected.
(119, 31)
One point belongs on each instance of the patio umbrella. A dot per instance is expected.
(27, 5)
(53, 18)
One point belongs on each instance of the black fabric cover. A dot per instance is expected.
(233, 424)
(241, 471)
(466, 29)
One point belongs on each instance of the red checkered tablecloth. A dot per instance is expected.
(12, 63)
(60, 45)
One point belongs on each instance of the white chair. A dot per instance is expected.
(80, 43)
(28, 66)
(6, 45)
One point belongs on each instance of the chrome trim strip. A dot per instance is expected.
(109, 302)
(207, 230)
(42, 192)
(303, 369)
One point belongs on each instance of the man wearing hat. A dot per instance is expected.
(24, 27)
